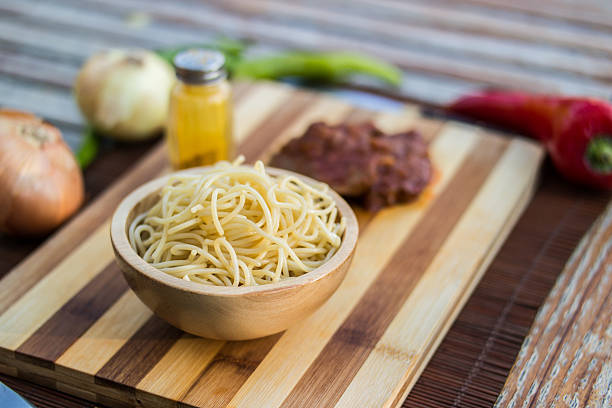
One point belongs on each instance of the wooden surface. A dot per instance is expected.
(42, 44)
(69, 321)
(445, 47)
(565, 359)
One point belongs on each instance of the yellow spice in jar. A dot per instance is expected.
(199, 130)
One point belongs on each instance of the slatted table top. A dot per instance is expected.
(445, 48)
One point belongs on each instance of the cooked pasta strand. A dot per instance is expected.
(236, 225)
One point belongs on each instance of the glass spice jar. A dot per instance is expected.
(199, 129)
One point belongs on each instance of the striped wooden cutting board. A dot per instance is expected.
(69, 321)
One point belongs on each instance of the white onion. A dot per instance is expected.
(125, 94)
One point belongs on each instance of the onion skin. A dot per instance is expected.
(125, 94)
(41, 184)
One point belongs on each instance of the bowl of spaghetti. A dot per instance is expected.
(234, 251)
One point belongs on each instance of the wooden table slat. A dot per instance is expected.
(574, 12)
(200, 16)
(400, 34)
(456, 19)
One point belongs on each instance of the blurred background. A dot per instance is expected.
(443, 48)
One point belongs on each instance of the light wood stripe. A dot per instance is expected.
(358, 115)
(269, 129)
(401, 121)
(76, 316)
(253, 110)
(110, 332)
(26, 315)
(355, 338)
(180, 367)
(276, 376)
(419, 321)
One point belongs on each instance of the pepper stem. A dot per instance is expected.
(599, 154)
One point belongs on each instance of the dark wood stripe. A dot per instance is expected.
(270, 128)
(62, 329)
(226, 373)
(351, 344)
(59, 245)
(139, 354)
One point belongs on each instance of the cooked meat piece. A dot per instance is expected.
(358, 160)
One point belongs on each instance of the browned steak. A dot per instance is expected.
(358, 160)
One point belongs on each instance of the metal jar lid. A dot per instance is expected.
(199, 66)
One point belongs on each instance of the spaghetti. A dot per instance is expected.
(235, 225)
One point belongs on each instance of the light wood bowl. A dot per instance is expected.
(227, 313)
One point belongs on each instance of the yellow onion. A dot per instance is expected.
(125, 94)
(40, 182)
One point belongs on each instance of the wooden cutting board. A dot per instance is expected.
(69, 321)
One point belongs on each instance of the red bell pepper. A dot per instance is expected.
(577, 132)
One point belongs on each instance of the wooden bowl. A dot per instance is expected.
(227, 313)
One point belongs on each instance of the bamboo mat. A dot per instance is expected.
(445, 48)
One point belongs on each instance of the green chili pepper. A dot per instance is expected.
(320, 67)
(89, 148)
(325, 67)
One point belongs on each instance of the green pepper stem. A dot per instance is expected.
(599, 154)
